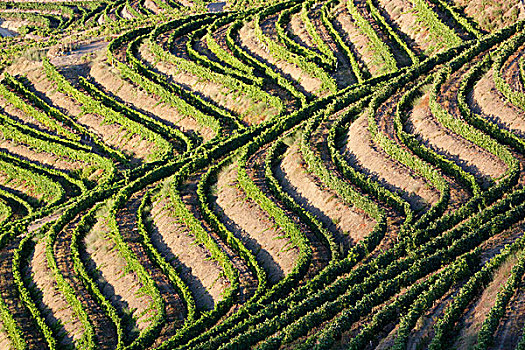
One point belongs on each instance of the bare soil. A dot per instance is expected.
(43, 158)
(113, 134)
(250, 43)
(493, 246)
(464, 153)
(5, 342)
(20, 185)
(351, 223)
(424, 329)
(151, 5)
(248, 281)
(125, 13)
(299, 33)
(177, 244)
(475, 316)
(486, 100)
(138, 148)
(493, 14)
(105, 332)
(320, 253)
(319, 142)
(37, 224)
(187, 3)
(219, 36)
(175, 310)
(233, 100)
(109, 77)
(39, 11)
(475, 313)
(401, 15)
(45, 1)
(3, 215)
(398, 53)
(101, 20)
(254, 227)
(388, 341)
(360, 148)
(118, 283)
(355, 38)
(510, 329)
(53, 301)
(9, 292)
(23, 118)
(343, 75)
(80, 54)
(511, 70)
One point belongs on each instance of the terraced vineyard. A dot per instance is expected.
(339, 174)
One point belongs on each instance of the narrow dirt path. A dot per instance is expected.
(21, 117)
(401, 14)
(477, 313)
(219, 36)
(511, 325)
(112, 134)
(384, 118)
(253, 226)
(42, 158)
(299, 33)
(235, 101)
(511, 70)
(424, 331)
(401, 57)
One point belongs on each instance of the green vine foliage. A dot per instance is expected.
(408, 261)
